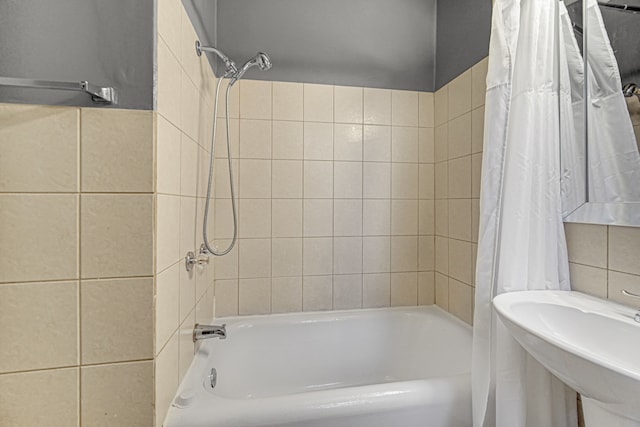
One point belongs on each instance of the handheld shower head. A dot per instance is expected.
(261, 60)
(631, 89)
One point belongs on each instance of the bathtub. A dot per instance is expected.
(376, 367)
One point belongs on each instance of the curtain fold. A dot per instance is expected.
(521, 242)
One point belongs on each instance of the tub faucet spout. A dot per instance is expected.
(201, 332)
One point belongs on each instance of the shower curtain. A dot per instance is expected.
(521, 243)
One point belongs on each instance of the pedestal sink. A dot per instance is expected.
(593, 345)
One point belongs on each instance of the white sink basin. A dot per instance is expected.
(593, 345)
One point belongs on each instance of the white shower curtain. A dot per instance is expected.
(521, 243)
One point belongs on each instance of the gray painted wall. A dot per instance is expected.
(464, 27)
(108, 43)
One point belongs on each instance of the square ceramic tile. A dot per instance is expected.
(347, 180)
(426, 145)
(404, 180)
(255, 296)
(190, 105)
(404, 108)
(189, 166)
(286, 294)
(460, 261)
(255, 99)
(318, 141)
(622, 281)
(377, 143)
(478, 83)
(39, 147)
(376, 217)
(426, 184)
(318, 103)
(287, 101)
(122, 391)
(167, 231)
(347, 142)
(441, 176)
(255, 179)
(442, 291)
(167, 305)
(169, 77)
(404, 144)
(222, 189)
(376, 180)
(317, 293)
(254, 258)
(426, 109)
(460, 178)
(234, 100)
(255, 218)
(426, 253)
(587, 243)
(226, 267)
(476, 174)
(441, 142)
(226, 297)
(475, 219)
(168, 158)
(189, 224)
(287, 179)
(223, 217)
(52, 221)
(287, 140)
(426, 288)
(286, 217)
(317, 217)
(377, 106)
(404, 217)
(376, 290)
(477, 130)
(347, 217)
(318, 179)
(347, 255)
(286, 257)
(404, 289)
(442, 255)
(347, 291)
(442, 217)
(404, 253)
(317, 256)
(459, 136)
(166, 380)
(255, 139)
(426, 217)
(623, 243)
(459, 99)
(589, 280)
(441, 106)
(28, 306)
(117, 316)
(187, 291)
(348, 104)
(376, 254)
(460, 219)
(460, 300)
(169, 23)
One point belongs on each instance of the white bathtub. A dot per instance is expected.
(381, 367)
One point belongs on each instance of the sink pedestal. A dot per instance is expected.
(596, 414)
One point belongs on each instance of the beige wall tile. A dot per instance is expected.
(441, 178)
(590, 280)
(460, 297)
(475, 219)
(117, 395)
(376, 180)
(404, 253)
(165, 378)
(318, 179)
(426, 149)
(404, 108)
(376, 217)
(221, 149)
(347, 143)
(404, 181)
(460, 219)
(459, 99)
(377, 106)
(348, 104)
(460, 260)
(426, 253)
(255, 99)
(622, 281)
(234, 100)
(117, 150)
(460, 178)
(442, 291)
(287, 101)
(347, 180)
(194, 65)
(404, 217)
(190, 225)
(347, 291)
(168, 157)
(254, 258)
(167, 305)
(226, 267)
(426, 180)
(442, 255)
(167, 231)
(404, 289)
(169, 77)
(116, 235)
(426, 217)
(317, 256)
(116, 320)
(255, 139)
(24, 309)
(286, 294)
(441, 106)
(476, 174)
(442, 217)
(286, 217)
(288, 140)
(404, 144)
(459, 136)
(169, 23)
(41, 398)
(318, 141)
(255, 296)
(188, 170)
(347, 217)
(376, 254)
(477, 130)
(255, 218)
(587, 244)
(286, 179)
(347, 255)
(226, 298)
(441, 142)
(222, 216)
(377, 143)
(317, 217)
(376, 290)
(318, 103)
(187, 290)
(317, 293)
(222, 187)
(52, 221)
(39, 147)
(286, 257)
(624, 243)
(478, 83)
(255, 179)
(190, 105)
(426, 288)
(425, 108)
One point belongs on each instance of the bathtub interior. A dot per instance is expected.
(289, 354)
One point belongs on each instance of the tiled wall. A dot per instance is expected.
(459, 121)
(184, 126)
(76, 266)
(335, 197)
